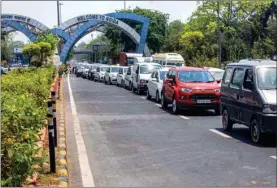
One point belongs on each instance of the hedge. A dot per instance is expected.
(24, 93)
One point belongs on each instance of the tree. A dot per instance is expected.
(31, 50)
(49, 38)
(156, 32)
(175, 29)
(5, 41)
(45, 51)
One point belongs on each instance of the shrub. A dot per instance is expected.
(23, 108)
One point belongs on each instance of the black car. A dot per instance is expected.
(248, 97)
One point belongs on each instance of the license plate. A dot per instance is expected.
(203, 101)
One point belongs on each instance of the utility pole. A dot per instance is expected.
(60, 6)
(58, 13)
(218, 35)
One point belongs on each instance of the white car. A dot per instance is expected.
(110, 75)
(128, 78)
(141, 74)
(100, 73)
(155, 84)
(216, 72)
(120, 76)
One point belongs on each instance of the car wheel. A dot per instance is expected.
(133, 89)
(217, 111)
(163, 102)
(255, 130)
(227, 123)
(148, 96)
(110, 82)
(175, 108)
(105, 81)
(158, 97)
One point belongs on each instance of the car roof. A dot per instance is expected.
(255, 63)
(147, 64)
(213, 69)
(164, 69)
(188, 68)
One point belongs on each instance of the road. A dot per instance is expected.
(131, 141)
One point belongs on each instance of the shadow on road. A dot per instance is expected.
(242, 134)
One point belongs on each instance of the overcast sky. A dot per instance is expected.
(46, 11)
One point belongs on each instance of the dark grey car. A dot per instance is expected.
(248, 97)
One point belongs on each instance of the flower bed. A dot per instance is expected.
(24, 95)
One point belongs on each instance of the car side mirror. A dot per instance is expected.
(218, 81)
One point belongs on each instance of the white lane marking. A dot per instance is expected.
(159, 105)
(86, 174)
(274, 157)
(143, 97)
(220, 133)
(184, 117)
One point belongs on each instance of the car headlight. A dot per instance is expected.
(187, 90)
(143, 81)
(270, 109)
(217, 90)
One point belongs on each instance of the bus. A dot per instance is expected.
(169, 59)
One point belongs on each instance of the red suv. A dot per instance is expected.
(190, 87)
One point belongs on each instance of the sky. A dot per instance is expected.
(46, 11)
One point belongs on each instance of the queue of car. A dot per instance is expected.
(245, 93)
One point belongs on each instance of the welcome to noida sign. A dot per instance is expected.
(15, 17)
(97, 17)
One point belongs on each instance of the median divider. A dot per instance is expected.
(62, 160)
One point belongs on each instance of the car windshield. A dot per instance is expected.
(217, 74)
(148, 69)
(195, 76)
(174, 64)
(267, 78)
(163, 75)
(104, 68)
(114, 69)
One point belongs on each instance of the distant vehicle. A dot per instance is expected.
(190, 88)
(141, 74)
(110, 74)
(248, 96)
(126, 59)
(15, 65)
(85, 71)
(100, 73)
(128, 78)
(155, 84)
(216, 72)
(92, 71)
(120, 76)
(169, 59)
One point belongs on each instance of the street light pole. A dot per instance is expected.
(218, 35)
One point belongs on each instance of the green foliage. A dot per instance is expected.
(45, 51)
(156, 33)
(50, 38)
(247, 30)
(23, 110)
(174, 32)
(31, 50)
(5, 41)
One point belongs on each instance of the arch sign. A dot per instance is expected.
(84, 23)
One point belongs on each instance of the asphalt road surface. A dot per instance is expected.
(131, 141)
